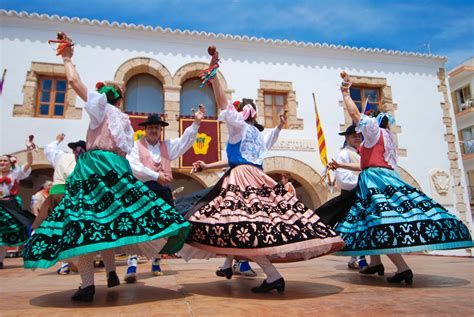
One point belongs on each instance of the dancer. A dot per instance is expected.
(240, 267)
(64, 164)
(336, 209)
(14, 221)
(388, 215)
(248, 215)
(150, 160)
(104, 206)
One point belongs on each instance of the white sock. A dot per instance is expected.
(270, 270)
(86, 269)
(229, 260)
(132, 260)
(399, 262)
(3, 252)
(353, 259)
(109, 260)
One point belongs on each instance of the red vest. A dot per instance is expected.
(374, 157)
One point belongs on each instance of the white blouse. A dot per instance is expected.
(255, 144)
(118, 122)
(14, 175)
(346, 179)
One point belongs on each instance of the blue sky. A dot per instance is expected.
(447, 27)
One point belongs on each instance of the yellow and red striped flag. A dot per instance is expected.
(321, 140)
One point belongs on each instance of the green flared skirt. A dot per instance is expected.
(105, 207)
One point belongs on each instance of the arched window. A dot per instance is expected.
(144, 93)
(192, 95)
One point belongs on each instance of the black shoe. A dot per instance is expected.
(225, 272)
(406, 276)
(1, 265)
(379, 269)
(279, 285)
(112, 279)
(84, 294)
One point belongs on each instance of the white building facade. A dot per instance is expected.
(461, 81)
(277, 74)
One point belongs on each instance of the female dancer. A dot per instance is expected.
(390, 216)
(104, 206)
(14, 221)
(248, 215)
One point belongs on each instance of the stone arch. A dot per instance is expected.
(142, 65)
(303, 173)
(407, 177)
(172, 103)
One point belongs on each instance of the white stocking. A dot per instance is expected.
(86, 269)
(267, 267)
(399, 262)
(229, 260)
(109, 260)
(375, 260)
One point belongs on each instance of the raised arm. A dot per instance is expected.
(221, 99)
(352, 109)
(72, 75)
(269, 139)
(52, 151)
(179, 146)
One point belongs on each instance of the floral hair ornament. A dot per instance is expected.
(238, 105)
(381, 115)
(103, 89)
(62, 41)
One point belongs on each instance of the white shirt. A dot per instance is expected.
(15, 175)
(346, 179)
(176, 148)
(63, 162)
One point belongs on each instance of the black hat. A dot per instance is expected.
(350, 130)
(153, 119)
(80, 143)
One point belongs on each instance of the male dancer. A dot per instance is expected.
(150, 160)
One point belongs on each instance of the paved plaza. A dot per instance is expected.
(320, 287)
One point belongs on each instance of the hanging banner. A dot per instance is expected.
(207, 147)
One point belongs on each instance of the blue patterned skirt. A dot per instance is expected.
(391, 216)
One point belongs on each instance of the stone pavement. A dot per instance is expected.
(320, 287)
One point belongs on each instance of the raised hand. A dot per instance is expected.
(199, 115)
(60, 137)
(283, 119)
(30, 145)
(346, 83)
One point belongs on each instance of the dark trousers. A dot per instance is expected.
(334, 210)
(163, 191)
